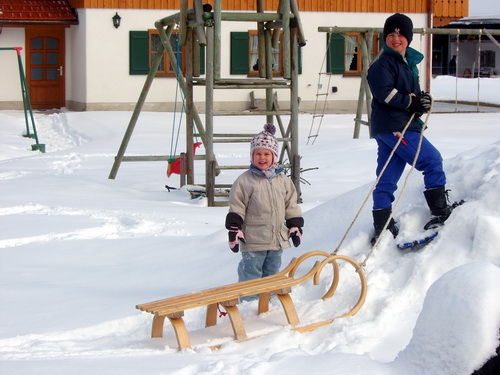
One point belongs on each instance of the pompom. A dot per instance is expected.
(270, 128)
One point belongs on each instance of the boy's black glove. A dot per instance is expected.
(426, 100)
(295, 234)
(235, 235)
(416, 106)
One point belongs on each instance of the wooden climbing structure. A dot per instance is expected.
(201, 26)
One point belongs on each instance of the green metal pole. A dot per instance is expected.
(26, 101)
(37, 146)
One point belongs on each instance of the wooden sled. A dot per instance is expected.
(228, 296)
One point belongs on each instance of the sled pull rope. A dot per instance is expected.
(400, 139)
(374, 184)
(403, 188)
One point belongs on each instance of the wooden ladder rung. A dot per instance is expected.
(252, 113)
(220, 203)
(244, 82)
(231, 167)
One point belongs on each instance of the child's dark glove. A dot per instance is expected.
(426, 100)
(296, 235)
(235, 235)
(416, 106)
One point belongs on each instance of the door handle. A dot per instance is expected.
(60, 71)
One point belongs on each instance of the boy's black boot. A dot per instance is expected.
(437, 199)
(380, 217)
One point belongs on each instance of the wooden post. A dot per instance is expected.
(165, 37)
(209, 109)
(285, 16)
(184, 163)
(183, 23)
(196, 56)
(200, 29)
(217, 38)
(269, 74)
(261, 41)
(364, 89)
(295, 10)
(367, 59)
(294, 118)
(137, 112)
(190, 59)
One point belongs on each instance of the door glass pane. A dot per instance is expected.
(52, 43)
(36, 74)
(37, 58)
(52, 74)
(36, 43)
(52, 58)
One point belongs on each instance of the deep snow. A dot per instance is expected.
(78, 251)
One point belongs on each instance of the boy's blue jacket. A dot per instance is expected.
(392, 78)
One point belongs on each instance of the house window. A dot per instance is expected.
(143, 49)
(244, 55)
(344, 54)
(165, 69)
(487, 59)
(253, 50)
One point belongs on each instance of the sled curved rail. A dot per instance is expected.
(228, 297)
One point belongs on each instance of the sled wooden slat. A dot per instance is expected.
(228, 297)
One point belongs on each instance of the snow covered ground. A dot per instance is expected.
(78, 251)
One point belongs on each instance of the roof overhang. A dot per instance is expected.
(37, 12)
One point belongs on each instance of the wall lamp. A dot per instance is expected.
(116, 20)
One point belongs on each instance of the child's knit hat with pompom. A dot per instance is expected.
(265, 139)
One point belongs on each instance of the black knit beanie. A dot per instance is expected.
(401, 24)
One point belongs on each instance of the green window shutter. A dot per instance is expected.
(239, 53)
(139, 51)
(335, 57)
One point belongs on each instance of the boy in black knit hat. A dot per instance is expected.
(263, 211)
(394, 83)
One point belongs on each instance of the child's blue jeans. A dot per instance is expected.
(258, 264)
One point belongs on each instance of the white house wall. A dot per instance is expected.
(112, 86)
(97, 63)
(10, 84)
(76, 64)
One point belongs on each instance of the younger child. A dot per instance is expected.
(263, 211)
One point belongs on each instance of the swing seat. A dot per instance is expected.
(174, 164)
